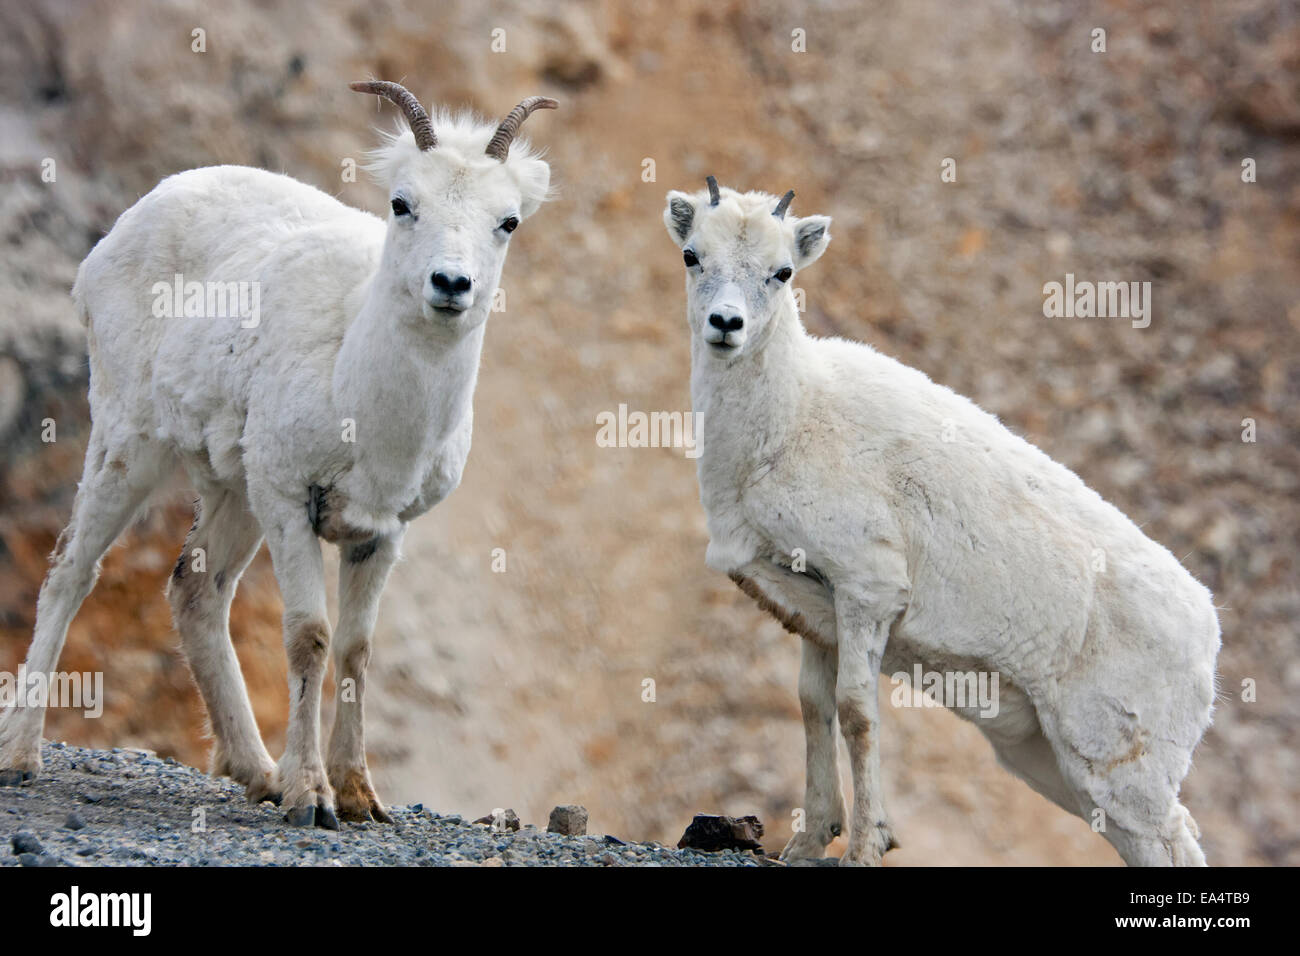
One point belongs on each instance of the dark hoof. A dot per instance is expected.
(370, 814)
(326, 819)
(891, 841)
(13, 777)
(301, 817)
(259, 790)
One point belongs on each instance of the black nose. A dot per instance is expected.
(451, 285)
(732, 324)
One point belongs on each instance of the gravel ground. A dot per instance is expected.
(129, 808)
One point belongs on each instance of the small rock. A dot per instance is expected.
(501, 820)
(569, 820)
(74, 822)
(25, 842)
(712, 833)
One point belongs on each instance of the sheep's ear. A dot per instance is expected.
(811, 236)
(679, 216)
(534, 178)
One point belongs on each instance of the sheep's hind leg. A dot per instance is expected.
(1143, 819)
(1171, 842)
(363, 571)
(1134, 782)
(299, 568)
(218, 548)
(116, 480)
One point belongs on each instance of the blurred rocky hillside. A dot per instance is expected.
(524, 689)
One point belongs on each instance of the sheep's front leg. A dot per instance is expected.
(300, 572)
(862, 638)
(363, 571)
(823, 800)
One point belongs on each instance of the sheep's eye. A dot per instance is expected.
(690, 258)
(783, 275)
(400, 208)
(510, 223)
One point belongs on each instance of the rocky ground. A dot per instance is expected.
(527, 686)
(129, 808)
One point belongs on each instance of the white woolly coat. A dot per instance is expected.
(989, 553)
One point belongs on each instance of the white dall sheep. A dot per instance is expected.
(342, 411)
(934, 536)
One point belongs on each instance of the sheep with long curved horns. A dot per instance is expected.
(331, 401)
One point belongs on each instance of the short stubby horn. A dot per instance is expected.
(783, 205)
(715, 197)
(416, 117)
(499, 147)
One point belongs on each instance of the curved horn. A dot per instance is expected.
(714, 196)
(499, 147)
(783, 205)
(405, 99)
